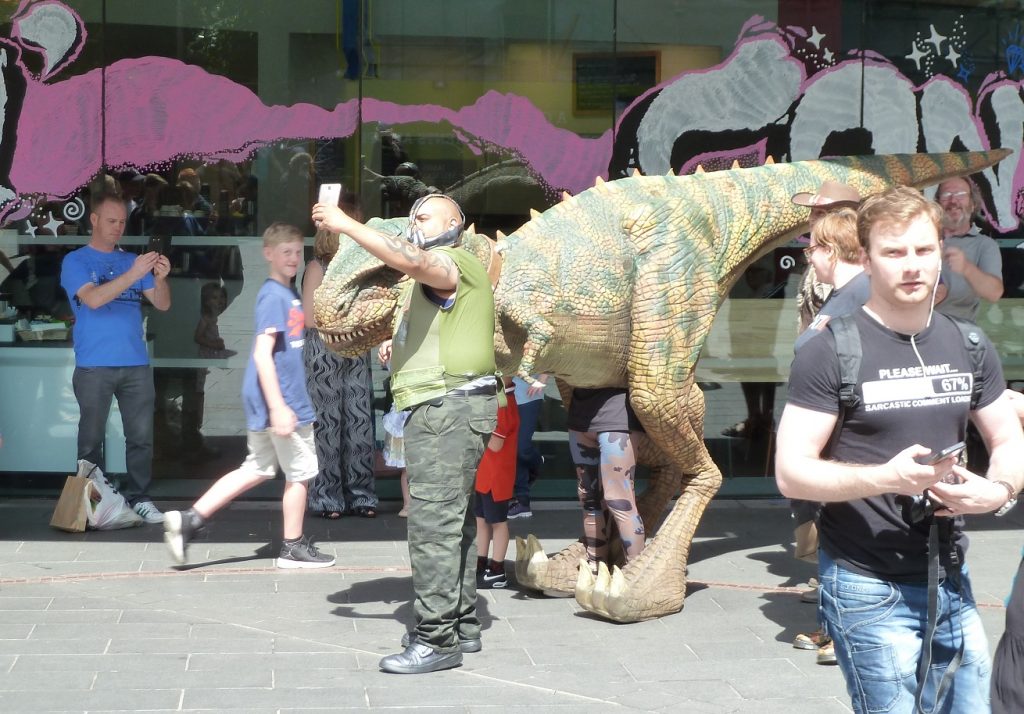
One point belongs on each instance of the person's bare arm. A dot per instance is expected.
(282, 418)
(311, 280)
(1000, 427)
(431, 268)
(985, 285)
(96, 296)
(801, 472)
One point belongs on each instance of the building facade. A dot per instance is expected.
(218, 117)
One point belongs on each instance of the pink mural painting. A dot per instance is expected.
(781, 92)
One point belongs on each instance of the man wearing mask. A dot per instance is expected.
(442, 362)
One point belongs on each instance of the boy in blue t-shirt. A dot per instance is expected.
(278, 414)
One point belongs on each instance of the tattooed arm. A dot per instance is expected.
(434, 269)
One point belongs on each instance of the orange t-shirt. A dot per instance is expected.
(497, 470)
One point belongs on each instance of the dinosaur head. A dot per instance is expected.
(355, 304)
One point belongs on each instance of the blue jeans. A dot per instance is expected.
(878, 628)
(95, 387)
(527, 457)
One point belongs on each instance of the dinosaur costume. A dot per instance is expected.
(618, 287)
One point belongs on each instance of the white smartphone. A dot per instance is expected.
(330, 193)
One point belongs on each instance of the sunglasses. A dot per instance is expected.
(952, 194)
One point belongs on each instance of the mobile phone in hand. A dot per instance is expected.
(936, 457)
(159, 244)
(330, 194)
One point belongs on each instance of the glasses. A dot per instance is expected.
(952, 194)
(809, 250)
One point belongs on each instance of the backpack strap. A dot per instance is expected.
(848, 349)
(975, 346)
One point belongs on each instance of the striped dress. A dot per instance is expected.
(341, 390)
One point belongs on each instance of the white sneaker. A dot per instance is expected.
(149, 512)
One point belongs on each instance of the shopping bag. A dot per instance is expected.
(73, 505)
(107, 508)
(807, 541)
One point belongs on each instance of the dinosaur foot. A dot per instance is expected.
(554, 576)
(640, 591)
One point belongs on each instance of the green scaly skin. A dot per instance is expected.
(618, 287)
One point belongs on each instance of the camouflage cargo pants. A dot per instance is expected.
(444, 441)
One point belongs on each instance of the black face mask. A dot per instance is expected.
(415, 235)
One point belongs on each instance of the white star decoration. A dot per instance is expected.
(53, 224)
(816, 37)
(935, 39)
(953, 56)
(827, 54)
(916, 55)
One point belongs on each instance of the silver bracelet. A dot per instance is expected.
(1011, 498)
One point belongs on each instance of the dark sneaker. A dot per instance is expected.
(518, 510)
(493, 579)
(149, 513)
(303, 554)
(465, 646)
(418, 658)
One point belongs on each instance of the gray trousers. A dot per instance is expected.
(133, 387)
(444, 441)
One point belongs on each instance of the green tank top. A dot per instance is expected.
(435, 349)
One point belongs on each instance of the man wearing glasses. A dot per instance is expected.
(972, 267)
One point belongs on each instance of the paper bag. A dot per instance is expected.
(807, 541)
(70, 513)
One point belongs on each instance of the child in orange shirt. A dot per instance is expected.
(495, 478)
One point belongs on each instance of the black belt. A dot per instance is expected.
(486, 389)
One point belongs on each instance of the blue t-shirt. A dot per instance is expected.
(111, 335)
(278, 313)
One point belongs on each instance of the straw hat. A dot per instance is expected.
(831, 193)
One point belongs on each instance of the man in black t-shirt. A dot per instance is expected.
(914, 390)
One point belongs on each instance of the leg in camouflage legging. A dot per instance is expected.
(605, 466)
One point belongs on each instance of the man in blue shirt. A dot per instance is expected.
(105, 286)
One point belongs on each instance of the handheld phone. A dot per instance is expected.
(330, 193)
(938, 456)
(159, 244)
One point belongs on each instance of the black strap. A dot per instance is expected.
(924, 664)
(848, 350)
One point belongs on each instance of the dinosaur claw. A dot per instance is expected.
(531, 561)
(585, 583)
(555, 576)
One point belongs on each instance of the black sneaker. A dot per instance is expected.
(493, 578)
(303, 554)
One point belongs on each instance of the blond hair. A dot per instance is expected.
(279, 233)
(836, 232)
(896, 207)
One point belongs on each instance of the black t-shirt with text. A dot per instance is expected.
(901, 404)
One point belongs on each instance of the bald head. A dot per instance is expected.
(435, 215)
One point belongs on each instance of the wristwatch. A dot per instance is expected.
(1012, 500)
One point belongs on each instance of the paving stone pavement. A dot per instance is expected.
(100, 621)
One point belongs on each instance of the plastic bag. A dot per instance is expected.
(106, 509)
